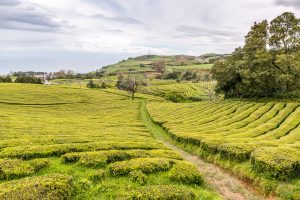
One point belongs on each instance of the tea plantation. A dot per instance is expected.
(59, 142)
(190, 91)
(259, 141)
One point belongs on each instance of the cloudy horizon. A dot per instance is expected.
(84, 35)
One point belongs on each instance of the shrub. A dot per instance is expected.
(146, 165)
(280, 162)
(187, 173)
(39, 164)
(91, 84)
(103, 85)
(159, 192)
(138, 177)
(101, 158)
(175, 97)
(16, 168)
(97, 176)
(52, 186)
(42, 151)
(83, 184)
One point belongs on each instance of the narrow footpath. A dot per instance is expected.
(219, 180)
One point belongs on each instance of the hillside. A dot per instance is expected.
(176, 62)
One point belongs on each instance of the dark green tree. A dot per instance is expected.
(267, 65)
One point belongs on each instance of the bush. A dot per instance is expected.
(97, 176)
(159, 192)
(39, 164)
(146, 165)
(278, 162)
(14, 168)
(42, 151)
(52, 186)
(175, 97)
(91, 84)
(101, 158)
(138, 177)
(185, 172)
(103, 85)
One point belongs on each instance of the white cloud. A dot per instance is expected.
(131, 27)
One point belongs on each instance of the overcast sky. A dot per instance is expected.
(83, 35)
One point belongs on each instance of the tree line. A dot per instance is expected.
(21, 79)
(268, 65)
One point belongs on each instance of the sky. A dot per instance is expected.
(84, 35)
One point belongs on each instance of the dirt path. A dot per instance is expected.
(227, 185)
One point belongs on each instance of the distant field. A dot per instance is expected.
(143, 63)
(189, 90)
(191, 67)
(262, 140)
(65, 142)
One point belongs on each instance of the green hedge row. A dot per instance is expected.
(280, 162)
(16, 168)
(159, 192)
(42, 151)
(186, 173)
(102, 158)
(50, 187)
(145, 165)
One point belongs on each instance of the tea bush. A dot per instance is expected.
(146, 165)
(156, 192)
(52, 186)
(185, 172)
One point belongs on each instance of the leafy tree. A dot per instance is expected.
(130, 83)
(92, 84)
(6, 79)
(28, 79)
(284, 42)
(267, 65)
(160, 66)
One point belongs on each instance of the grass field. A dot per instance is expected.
(260, 141)
(62, 142)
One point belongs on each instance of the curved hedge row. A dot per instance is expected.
(239, 131)
(52, 186)
(156, 192)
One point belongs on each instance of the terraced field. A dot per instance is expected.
(258, 140)
(199, 90)
(60, 142)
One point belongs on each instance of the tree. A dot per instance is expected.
(284, 42)
(228, 74)
(28, 79)
(70, 74)
(92, 84)
(130, 83)
(268, 63)
(6, 79)
(160, 66)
